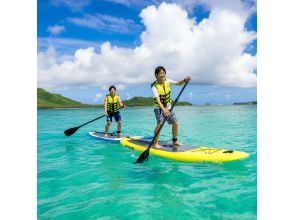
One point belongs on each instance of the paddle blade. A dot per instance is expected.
(70, 131)
(143, 156)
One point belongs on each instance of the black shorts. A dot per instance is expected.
(116, 116)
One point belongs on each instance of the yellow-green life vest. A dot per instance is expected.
(163, 92)
(112, 103)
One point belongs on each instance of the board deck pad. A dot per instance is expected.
(168, 146)
(113, 136)
(165, 145)
(110, 135)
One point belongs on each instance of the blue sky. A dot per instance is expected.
(117, 29)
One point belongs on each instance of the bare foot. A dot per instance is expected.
(105, 135)
(156, 146)
(177, 144)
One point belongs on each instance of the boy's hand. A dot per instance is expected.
(166, 113)
(105, 113)
(188, 78)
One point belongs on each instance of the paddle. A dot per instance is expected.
(145, 154)
(71, 131)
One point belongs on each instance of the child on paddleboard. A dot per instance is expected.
(112, 104)
(161, 89)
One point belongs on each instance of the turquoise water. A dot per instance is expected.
(83, 178)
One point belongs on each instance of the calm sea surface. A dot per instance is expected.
(83, 178)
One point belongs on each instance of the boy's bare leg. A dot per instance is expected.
(156, 144)
(106, 128)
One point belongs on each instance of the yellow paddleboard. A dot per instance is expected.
(185, 153)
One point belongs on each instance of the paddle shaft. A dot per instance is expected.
(71, 131)
(165, 118)
(96, 118)
(91, 121)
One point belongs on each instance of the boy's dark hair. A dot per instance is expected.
(157, 70)
(112, 87)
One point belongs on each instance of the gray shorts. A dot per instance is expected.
(160, 116)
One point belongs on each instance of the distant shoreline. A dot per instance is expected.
(101, 107)
(47, 100)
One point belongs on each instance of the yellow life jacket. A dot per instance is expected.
(112, 103)
(163, 92)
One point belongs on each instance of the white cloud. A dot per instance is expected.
(228, 95)
(134, 3)
(104, 87)
(190, 95)
(121, 87)
(106, 23)
(98, 97)
(117, 86)
(244, 6)
(128, 96)
(210, 51)
(74, 5)
(56, 29)
(64, 45)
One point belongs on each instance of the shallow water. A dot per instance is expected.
(83, 178)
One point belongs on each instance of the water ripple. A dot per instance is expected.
(82, 178)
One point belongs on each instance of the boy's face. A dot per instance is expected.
(112, 92)
(161, 75)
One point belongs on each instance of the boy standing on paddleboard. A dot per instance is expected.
(112, 104)
(162, 103)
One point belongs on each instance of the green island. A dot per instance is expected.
(47, 100)
(146, 101)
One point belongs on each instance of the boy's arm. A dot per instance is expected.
(164, 110)
(181, 82)
(120, 102)
(160, 104)
(105, 106)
